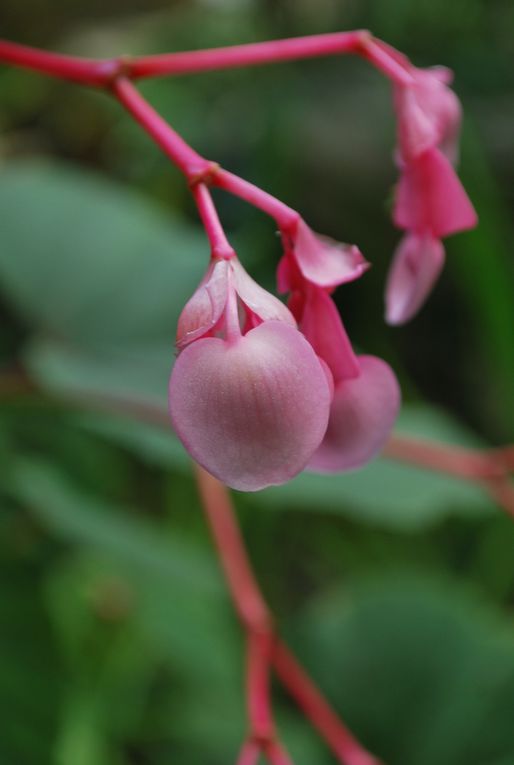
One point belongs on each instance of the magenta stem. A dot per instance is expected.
(220, 246)
(251, 54)
(284, 216)
(173, 145)
(249, 754)
(86, 71)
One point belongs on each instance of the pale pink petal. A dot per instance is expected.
(417, 130)
(416, 266)
(362, 415)
(442, 105)
(322, 326)
(324, 261)
(253, 411)
(203, 310)
(260, 302)
(430, 197)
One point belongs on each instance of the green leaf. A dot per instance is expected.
(88, 261)
(422, 672)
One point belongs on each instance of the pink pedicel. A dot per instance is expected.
(416, 266)
(430, 201)
(250, 406)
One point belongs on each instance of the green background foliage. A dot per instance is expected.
(118, 645)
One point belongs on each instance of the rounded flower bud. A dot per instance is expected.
(252, 409)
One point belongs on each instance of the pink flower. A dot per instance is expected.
(248, 396)
(430, 202)
(321, 260)
(366, 395)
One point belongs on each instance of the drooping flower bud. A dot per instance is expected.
(366, 396)
(248, 396)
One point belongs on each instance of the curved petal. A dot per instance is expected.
(203, 310)
(322, 326)
(325, 262)
(260, 302)
(251, 412)
(417, 130)
(430, 197)
(362, 415)
(416, 266)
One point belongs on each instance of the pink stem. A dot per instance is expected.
(173, 145)
(220, 247)
(258, 692)
(86, 71)
(276, 753)
(251, 54)
(345, 746)
(249, 754)
(284, 216)
(359, 42)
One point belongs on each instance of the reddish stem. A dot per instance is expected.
(263, 648)
(220, 247)
(249, 754)
(173, 145)
(284, 216)
(86, 71)
(343, 744)
(272, 51)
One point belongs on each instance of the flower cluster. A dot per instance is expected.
(259, 391)
(430, 202)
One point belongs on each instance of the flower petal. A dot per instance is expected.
(430, 197)
(324, 261)
(251, 412)
(260, 302)
(322, 326)
(362, 415)
(203, 310)
(416, 266)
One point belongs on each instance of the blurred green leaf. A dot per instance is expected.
(90, 262)
(421, 671)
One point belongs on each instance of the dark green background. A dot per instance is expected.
(118, 645)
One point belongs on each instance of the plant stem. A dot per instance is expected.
(173, 145)
(358, 42)
(284, 216)
(263, 647)
(220, 247)
(85, 71)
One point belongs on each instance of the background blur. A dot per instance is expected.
(118, 645)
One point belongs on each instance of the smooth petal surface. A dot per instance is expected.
(203, 310)
(430, 197)
(322, 326)
(362, 415)
(324, 261)
(251, 412)
(260, 302)
(429, 114)
(416, 266)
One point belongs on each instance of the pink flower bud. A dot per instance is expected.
(366, 396)
(252, 410)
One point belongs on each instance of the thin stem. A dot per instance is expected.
(284, 216)
(248, 601)
(359, 42)
(220, 247)
(249, 754)
(343, 744)
(255, 615)
(173, 145)
(250, 54)
(85, 71)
